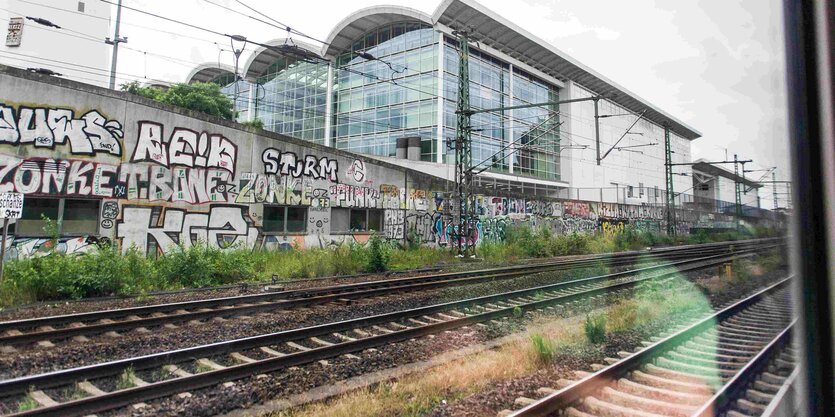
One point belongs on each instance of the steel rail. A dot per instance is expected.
(587, 386)
(314, 296)
(83, 406)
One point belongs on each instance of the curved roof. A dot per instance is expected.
(283, 48)
(364, 20)
(208, 72)
(497, 32)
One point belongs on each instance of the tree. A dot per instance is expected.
(202, 97)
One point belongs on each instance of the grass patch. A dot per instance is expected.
(595, 328)
(127, 379)
(544, 349)
(105, 270)
(27, 403)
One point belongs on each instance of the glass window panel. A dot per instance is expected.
(375, 220)
(30, 223)
(359, 220)
(296, 219)
(80, 217)
(274, 219)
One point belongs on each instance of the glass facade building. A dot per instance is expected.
(290, 98)
(396, 94)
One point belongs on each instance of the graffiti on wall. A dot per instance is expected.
(223, 226)
(182, 186)
(44, 127)
(31, 247)
(184, 147)
(394, 224)
(288, 163)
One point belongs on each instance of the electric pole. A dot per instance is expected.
(774, 188)
(115, 42)
(737, 193)
(668, 167)
(463, 148)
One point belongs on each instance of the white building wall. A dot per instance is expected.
(60, 50)
(619, 169)
(727, 192)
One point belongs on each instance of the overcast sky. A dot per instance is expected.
(716, 65)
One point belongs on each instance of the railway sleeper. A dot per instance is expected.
(707, 363)
(707, 372)
(623, 399)
(661, 394)
(712, 348)
(712, 355)
(599, 407)
(679, 376)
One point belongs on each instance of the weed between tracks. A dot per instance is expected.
(27, 403)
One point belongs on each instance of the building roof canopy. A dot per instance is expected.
(359, 23)
(278, 49)
(208, 72)
(702, 165)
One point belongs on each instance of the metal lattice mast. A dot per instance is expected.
(738, 192)
(774, 188)
(671, 197)
(463, 146)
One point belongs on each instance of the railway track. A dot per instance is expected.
(81, 326)
(733, 363)
(223, 362)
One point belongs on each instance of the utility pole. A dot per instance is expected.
(115, 42)
(668, 167)
(737, 193)
(597, 129)
(463, 148)
(774, 188)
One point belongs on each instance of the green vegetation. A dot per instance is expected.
(544, 349)
(126, 379)
(27, 403)
(256, 123)
(202, 368)
(106, 271)
(595, 328)
(517, 312)
(202, 97)
(378, 257)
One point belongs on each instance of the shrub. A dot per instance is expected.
(595, 329)
(517, 312)
(378, 258)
